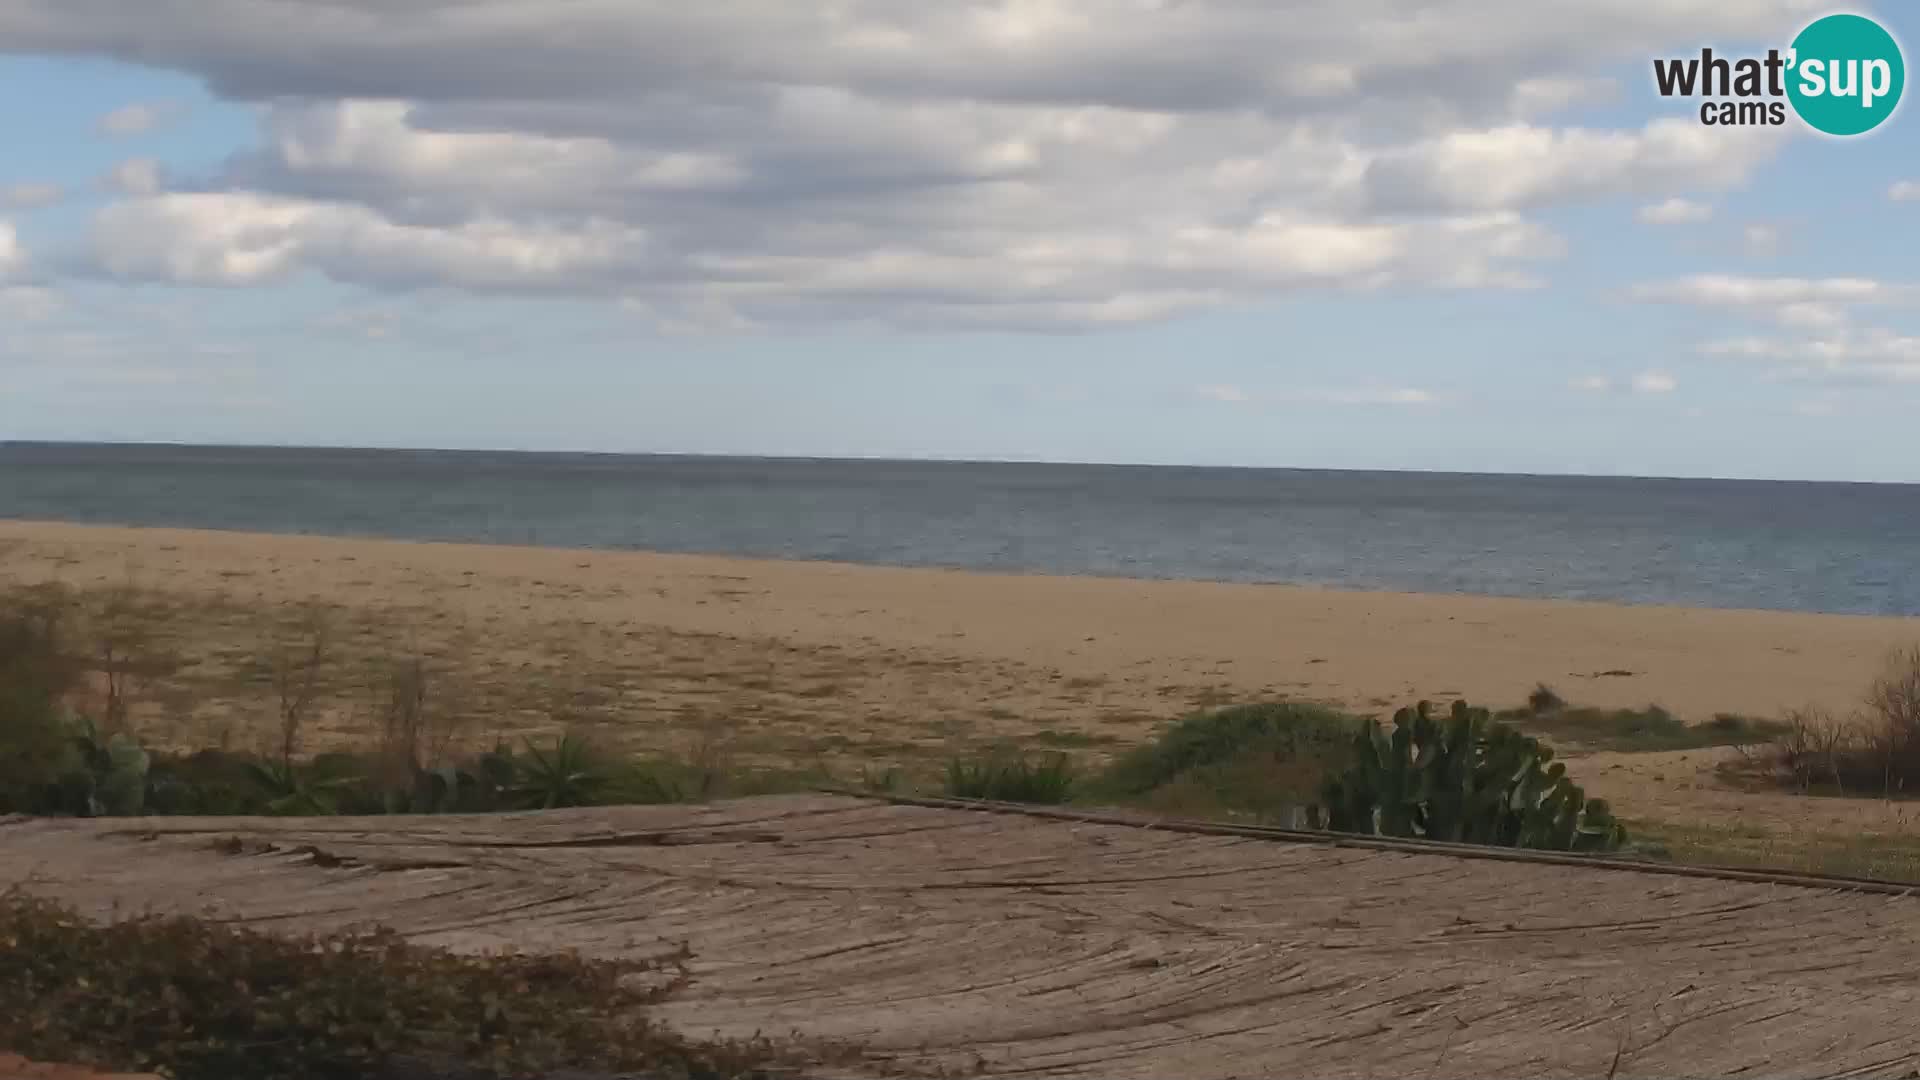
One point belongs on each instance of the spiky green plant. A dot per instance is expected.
(1013, 779)
(294, 793)
(564, 774)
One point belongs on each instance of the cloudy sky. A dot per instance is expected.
(1430, 234)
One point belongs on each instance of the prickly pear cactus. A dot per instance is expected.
(1468, 780)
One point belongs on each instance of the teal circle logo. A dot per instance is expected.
(1845, 75)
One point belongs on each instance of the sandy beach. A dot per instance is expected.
(978, 650)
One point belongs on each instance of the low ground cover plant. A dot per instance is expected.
(202, 1000)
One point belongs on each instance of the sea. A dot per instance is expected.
(1792, 546)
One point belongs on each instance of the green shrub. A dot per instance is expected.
(1469, 780)
(1650, 729)
(106, 776)
(206, 782)
(1263, 760)
(37, 671)
(208, 1001)
(1012, 779)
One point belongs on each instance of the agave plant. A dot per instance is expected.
(561, 775)
(292, 793)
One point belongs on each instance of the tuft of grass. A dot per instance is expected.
(879, 781)
(1078, 740)
(1544, 700)
(1650, 729)
(1882, 857)
(1012, 779)
(202, 1000)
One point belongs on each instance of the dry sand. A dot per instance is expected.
(1154, 646)
(1015, 946)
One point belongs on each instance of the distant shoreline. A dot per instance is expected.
(849, 564)
(885, 459)
(1731, 545)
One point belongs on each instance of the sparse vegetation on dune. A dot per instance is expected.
(1875, 751)
(57, 756)
(1648, 729)
(79, 670)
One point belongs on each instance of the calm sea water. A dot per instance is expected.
(1794, 546)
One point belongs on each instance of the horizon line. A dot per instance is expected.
(926, 460)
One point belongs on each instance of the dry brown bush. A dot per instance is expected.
(1874, 752)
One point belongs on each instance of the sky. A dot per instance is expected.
(1370, 234)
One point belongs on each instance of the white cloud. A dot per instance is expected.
(1904, 191)
(980, 163)
(27, 303)
(1550, 94)
(1872, 356)
(13, 257)
(1729, 290)
(1074, 276)
(1522, 166)
(1366, 394)
(1461, 54)
(1674, 211)
(242, 239)
(1369, 394)
(1221, 392)
(138, 118)
(1761, 241)
(134, 176)
(1654, 382)
(1395, 395)
(1593, 384)
(30, 196)
(1797, 302)
(57, 355)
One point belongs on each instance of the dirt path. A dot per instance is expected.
(1043, 947)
